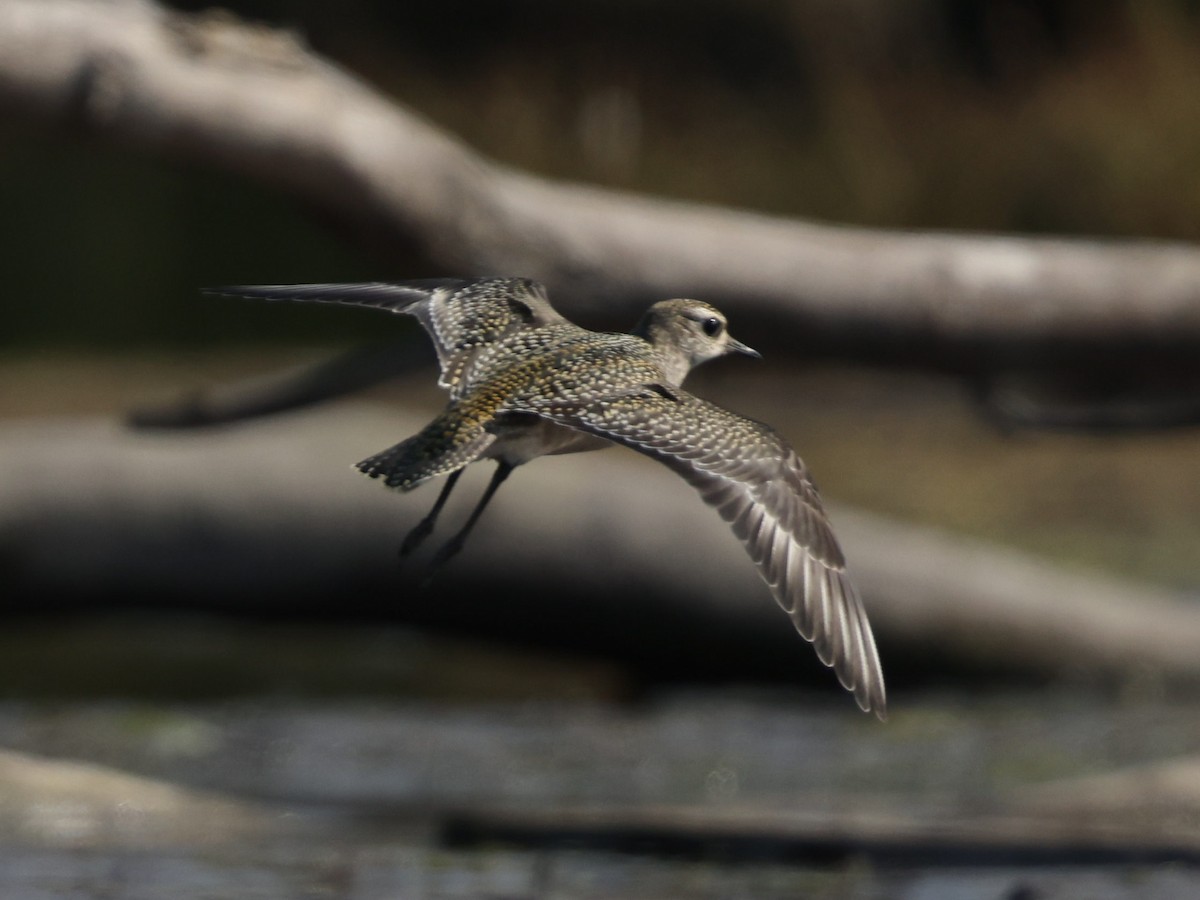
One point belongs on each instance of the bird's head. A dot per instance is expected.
(686, 333)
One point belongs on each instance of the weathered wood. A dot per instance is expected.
(57, 802)
(602, 552)
(830, 837)
(292, 388)
(254, 100)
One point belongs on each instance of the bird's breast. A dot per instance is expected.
(521, 438)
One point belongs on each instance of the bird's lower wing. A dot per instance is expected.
(762, 489)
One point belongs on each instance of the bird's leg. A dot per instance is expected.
(424, 528)
(452, 546)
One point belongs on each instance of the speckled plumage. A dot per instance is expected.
(525, 382)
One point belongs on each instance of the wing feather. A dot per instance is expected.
(461, 315)
(757, 484)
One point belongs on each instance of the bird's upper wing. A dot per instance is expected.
(461, 315)
(762, 489)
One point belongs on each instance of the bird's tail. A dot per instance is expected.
(445, 445)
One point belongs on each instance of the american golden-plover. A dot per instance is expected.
(524, 382)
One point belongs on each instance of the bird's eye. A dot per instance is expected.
(712, 327)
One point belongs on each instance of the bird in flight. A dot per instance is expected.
(525, 382)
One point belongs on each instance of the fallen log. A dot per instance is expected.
(605, 553)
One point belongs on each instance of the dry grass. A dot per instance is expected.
(1098, 136)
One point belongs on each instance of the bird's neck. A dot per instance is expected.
(674, 362)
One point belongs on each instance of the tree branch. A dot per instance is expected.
(602, 553)
(253, 100)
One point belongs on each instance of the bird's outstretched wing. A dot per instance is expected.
(762, 489)
(461, 315)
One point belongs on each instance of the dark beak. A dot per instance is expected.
(735, 346)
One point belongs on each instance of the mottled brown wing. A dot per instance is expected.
(461, 315)
(762, 489)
